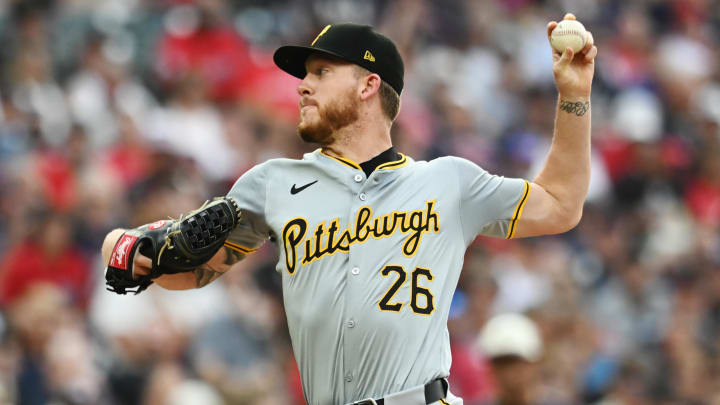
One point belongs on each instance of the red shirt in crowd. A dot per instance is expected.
(28, 264)
(217, 54)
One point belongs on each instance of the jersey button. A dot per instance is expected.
(358, 178)
(355, 271)
(351, 323)
(363, 197)
(348, 377)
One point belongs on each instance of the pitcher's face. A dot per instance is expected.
(329, 99)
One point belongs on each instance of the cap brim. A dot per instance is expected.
(292, 58)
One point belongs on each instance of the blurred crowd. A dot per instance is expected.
(116, 113)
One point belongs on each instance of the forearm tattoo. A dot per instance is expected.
(578, 108)
(232, 256)
(206, 273)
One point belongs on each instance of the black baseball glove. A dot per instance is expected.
(174, 246)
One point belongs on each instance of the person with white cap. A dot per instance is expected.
(513, 344)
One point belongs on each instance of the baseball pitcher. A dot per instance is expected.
(370, 241)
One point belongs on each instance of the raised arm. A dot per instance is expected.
(557, 194)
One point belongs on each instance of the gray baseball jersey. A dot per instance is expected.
(370, 264)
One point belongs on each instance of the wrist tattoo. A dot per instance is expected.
(578, 108)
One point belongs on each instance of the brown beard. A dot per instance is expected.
(337, 114)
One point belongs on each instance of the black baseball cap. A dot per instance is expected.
(354, 43)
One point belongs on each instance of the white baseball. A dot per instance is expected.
(568, 34)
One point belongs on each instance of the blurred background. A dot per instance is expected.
(120, 112)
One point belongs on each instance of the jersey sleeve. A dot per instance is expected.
(489, 205)
(250, 193)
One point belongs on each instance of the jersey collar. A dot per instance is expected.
(387, 160)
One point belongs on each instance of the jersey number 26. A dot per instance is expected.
(416, 291)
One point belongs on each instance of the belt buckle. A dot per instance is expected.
(368, 401)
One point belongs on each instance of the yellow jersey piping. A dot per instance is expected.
(518, 211)
(342, 160)
(394, 165)
(239, 248)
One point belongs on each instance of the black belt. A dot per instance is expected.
(435, 390)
